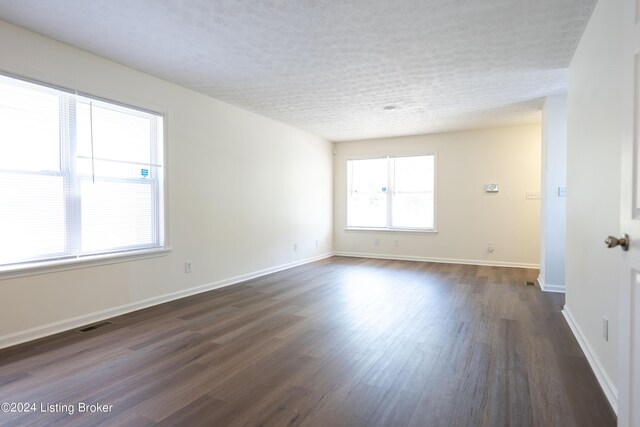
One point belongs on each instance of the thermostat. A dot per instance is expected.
(491, 188)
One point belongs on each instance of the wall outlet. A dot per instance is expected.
(490, 248)
(295, 247)
(396, 242)
(376, 242)
(605, 328)
(532, 195)
(562, 191)
(316, 243)
(187, 266)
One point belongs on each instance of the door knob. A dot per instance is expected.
(623, 242)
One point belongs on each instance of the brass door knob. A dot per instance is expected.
(623, 242)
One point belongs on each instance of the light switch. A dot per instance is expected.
(562, 191)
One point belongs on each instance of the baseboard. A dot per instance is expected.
(605, 382)
(546, 287)
(77, 322)
(438, 260)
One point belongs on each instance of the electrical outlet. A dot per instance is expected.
(490, 248)
(605, 328)
(376, 242)
(316, 243)
(295, 247)
(187, 266)
(562, 191)
(396, 242)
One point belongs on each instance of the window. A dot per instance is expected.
(79, 176)
(391, 193)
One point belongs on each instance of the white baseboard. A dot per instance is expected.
(605, 382)
(546, 287)
(438, 260)
(77, 322)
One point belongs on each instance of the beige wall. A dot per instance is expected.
(467, 218)
(242, 190)
(595, 114)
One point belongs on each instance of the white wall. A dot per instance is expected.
(593, 183)
(242, 190)
(467, 218)
(552, 204)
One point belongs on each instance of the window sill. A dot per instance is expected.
(45, 267)
(392, 230)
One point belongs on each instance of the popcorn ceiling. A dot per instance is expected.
(330, 66)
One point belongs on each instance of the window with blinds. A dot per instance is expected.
(79, 176)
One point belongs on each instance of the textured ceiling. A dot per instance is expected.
(331, 66)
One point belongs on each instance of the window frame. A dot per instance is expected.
(160, 189)
(391, 189)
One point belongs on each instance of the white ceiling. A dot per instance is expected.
(331, 66)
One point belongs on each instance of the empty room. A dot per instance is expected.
(319, 213)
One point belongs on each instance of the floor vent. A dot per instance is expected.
(531, 283)
(96, 326)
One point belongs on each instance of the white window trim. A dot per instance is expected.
(32, 268)
(433, 230)
(52, 266)
(395, 230)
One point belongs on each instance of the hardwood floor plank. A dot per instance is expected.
(197, 413)
(508, 380)
(342, 341)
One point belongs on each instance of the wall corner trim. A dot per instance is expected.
(607, 385)
(76, 322)
(547, 287)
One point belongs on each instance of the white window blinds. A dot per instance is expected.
(78, 176)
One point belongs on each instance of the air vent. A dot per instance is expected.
(96, 326)
(530, 283)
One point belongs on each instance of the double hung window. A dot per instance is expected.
(391, 193)
(79, 176)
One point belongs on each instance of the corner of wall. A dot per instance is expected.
(549, 287)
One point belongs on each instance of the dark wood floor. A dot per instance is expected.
(334, 343)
